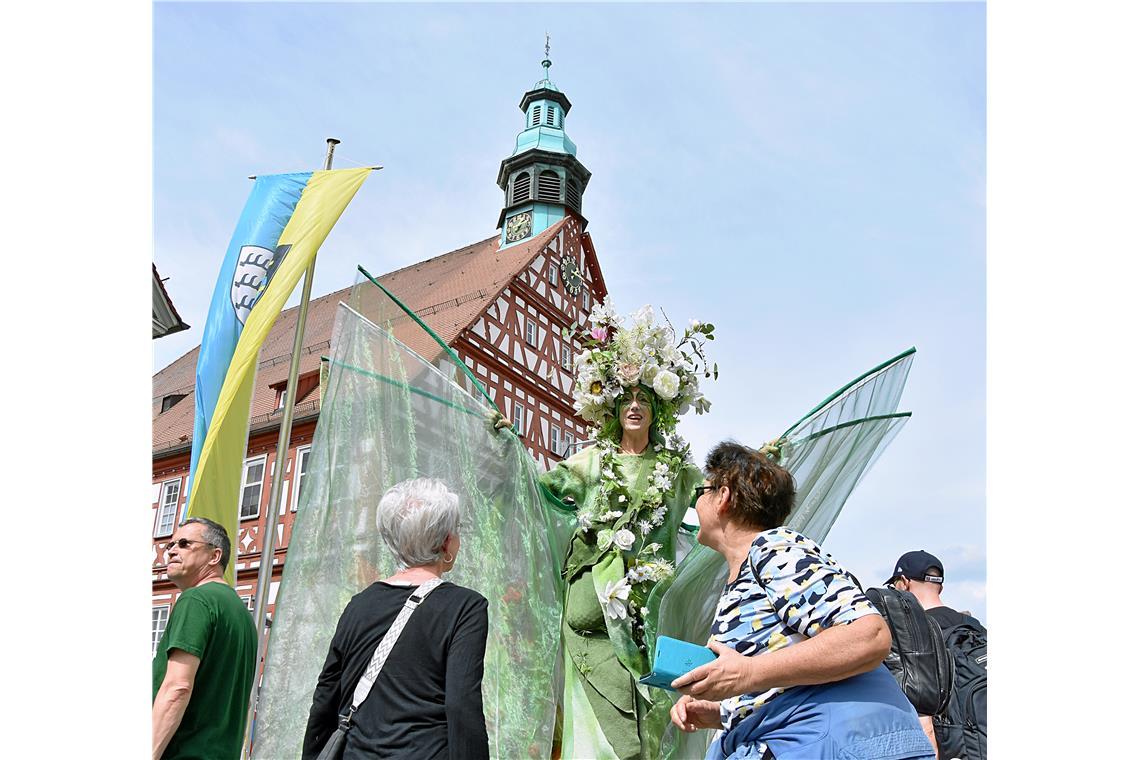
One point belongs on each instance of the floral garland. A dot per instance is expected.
(619, 526)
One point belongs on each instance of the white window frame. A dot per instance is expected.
(260, 486)
(531, 332)
(155, 631)
(518, 417)
(158, 529)
(303, 453)
(556, 439)
(552, 275)
(567, 357)
(586, 299)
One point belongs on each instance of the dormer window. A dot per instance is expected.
(171, 400)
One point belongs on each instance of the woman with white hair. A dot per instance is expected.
(426, 701)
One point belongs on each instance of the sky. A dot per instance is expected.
(810, 178)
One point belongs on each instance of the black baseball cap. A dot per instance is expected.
(913, 565)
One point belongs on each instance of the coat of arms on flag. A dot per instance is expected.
(255, 268)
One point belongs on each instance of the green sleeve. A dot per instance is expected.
(690, 477)
(567, 482)
(190, 625)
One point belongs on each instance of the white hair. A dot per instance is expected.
(414, 519)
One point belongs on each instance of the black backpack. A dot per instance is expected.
(961, 728)
(919, 659)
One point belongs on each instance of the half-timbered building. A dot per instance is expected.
(503, 305)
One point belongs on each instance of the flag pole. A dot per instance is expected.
(269, 537)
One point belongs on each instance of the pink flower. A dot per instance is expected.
(599, 333)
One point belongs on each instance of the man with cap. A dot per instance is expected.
(921, 573)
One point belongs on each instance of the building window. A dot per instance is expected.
(552, 274)
(167, 508)
(550, 116)
(556, 439)
(549, 186)
(518, 417)
(302, 471)
(586, 299)
(171, 400)
(566, 358)
(531, 333)
(251, 481)
(535, 115)
(248, 602)
(521, 190)
(158, 618)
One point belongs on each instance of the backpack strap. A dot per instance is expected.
(380, 656)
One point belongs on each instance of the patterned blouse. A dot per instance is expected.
(801, 591)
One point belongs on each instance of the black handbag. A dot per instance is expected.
(334, 747)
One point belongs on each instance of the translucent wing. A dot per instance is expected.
(835, 444)
(389, 414)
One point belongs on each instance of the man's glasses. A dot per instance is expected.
(184, 543)
(700, 491)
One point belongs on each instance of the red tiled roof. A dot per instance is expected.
(448, 292)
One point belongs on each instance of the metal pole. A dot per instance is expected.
(269, 537)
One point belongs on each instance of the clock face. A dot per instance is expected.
(571, 275)
(518, 226)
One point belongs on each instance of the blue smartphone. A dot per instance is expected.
(673, 658)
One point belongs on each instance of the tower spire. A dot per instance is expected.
(542, 180)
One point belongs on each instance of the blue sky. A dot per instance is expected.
(810, 178)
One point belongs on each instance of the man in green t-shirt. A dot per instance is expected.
(203, 669)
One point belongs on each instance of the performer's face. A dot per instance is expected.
(637, 412)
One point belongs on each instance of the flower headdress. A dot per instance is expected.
(616, 358)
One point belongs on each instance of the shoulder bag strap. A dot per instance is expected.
(364, 686)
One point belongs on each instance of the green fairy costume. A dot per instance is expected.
(606, 713)
(583, 567)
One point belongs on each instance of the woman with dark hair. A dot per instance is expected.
(799, 671)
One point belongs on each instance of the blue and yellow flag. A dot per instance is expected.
(284, 222)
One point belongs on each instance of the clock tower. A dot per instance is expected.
(542, 180)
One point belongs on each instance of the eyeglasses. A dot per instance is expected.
(184, 543)
(700, 491)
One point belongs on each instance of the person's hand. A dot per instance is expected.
(690, 714)
(497, 420)
(726, 676)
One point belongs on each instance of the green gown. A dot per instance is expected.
(606, 713)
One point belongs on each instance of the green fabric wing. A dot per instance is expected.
(389, 414)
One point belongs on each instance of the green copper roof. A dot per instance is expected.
(544, 138)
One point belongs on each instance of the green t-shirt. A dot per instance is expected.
(211, 623)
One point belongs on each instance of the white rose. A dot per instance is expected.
(666, 384)
(624, 539)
